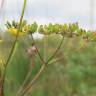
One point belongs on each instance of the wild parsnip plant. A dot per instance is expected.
(22, 28)
(65, 30)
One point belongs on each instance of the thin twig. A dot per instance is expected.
(54, 61)
(37, 50)
(55, 51)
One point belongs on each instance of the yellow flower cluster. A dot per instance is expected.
(14, 32)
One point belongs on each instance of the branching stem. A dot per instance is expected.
(25, 90)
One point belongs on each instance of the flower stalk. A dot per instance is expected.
(14, 45)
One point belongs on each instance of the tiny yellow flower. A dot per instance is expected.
(14, 31)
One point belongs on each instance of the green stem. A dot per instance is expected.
(14, 44)
(37, 50)
(55, 61)
(55, 51)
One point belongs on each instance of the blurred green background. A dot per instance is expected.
(73, 75)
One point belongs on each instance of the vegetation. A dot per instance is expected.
(73, 73)
(68, 68)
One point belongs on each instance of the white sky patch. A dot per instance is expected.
(45, 11)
